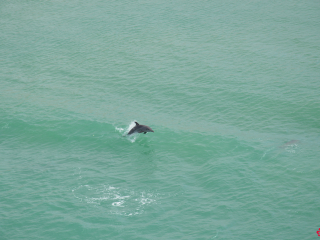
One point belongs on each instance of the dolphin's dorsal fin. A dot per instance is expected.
(137, 124)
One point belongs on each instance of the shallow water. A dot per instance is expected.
(230, 88)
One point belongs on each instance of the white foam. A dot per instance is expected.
(291, 148)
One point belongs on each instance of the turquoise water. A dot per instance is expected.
(230, 88)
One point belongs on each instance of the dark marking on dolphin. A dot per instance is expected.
(140, 129)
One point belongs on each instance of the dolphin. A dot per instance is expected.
(140, 129)
(292, 143)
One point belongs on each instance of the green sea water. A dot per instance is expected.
(230, 88)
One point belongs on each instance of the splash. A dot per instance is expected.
(116, 200)
(290, 146)
(119, 129)
(124, 131)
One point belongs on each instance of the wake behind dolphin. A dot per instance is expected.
(140, 129)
